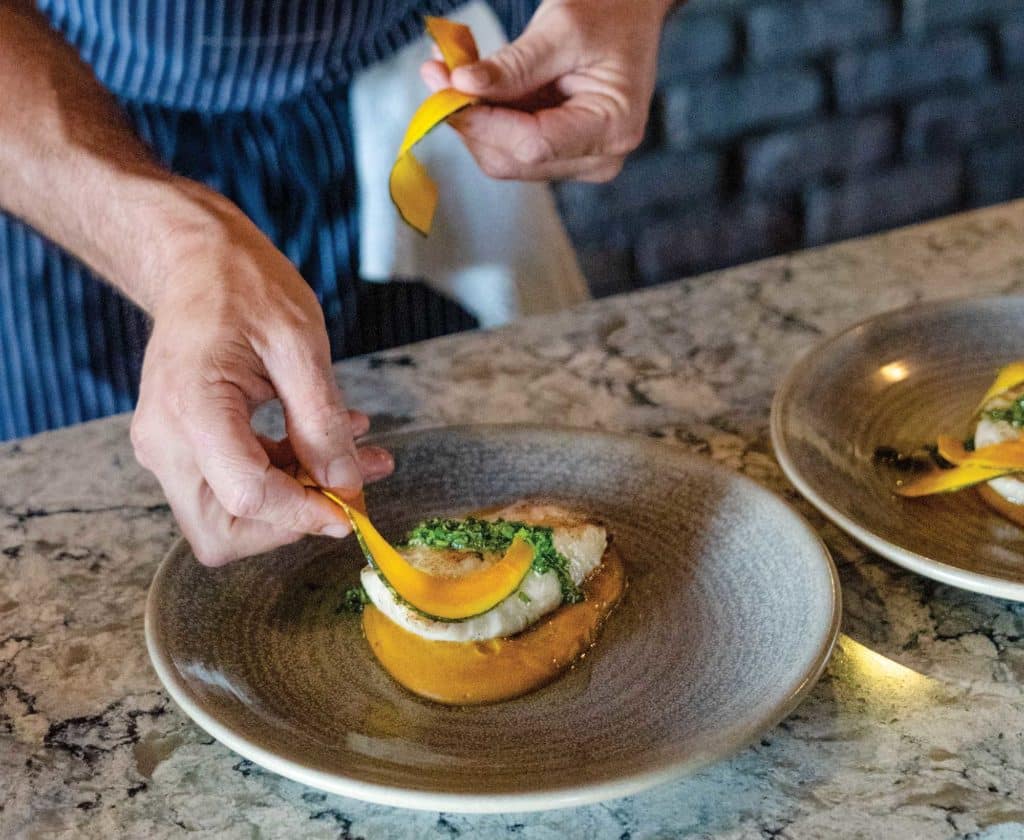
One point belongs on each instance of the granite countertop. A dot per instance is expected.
(915, 730)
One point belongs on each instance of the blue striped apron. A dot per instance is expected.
(251, 98)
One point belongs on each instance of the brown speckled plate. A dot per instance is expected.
(731, 612)
(898, 380)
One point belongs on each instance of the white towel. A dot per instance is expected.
(497, 247)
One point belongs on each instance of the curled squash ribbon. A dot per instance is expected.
(437, 596)
(980, 465)
(1008, 378)
(413, 191)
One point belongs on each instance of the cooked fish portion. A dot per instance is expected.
(990, 431)
(581, 542)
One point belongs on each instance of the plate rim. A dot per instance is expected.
(920, 564)
(569, 795)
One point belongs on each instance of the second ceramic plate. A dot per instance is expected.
(731, 612)
(897, 381)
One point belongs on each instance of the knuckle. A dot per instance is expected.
(213, 555)
(305, 352)
(533, 151)
(515, 62)
(301, 518)
(303, 321)
(496, 166)
(327, 415)
(246, 497)
(305, 523)
(178, 402)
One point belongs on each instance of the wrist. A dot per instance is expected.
(175, 222)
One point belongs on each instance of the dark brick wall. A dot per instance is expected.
(780, 124)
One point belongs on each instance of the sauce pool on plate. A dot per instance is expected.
(472, 673)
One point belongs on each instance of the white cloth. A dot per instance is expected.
(497, 247)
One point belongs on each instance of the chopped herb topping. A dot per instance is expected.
(354, 599)
(465, 534)
(526, 599)
(482, 535)
(1013, 414)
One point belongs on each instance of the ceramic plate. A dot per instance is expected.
(898, 380)
(730, 615)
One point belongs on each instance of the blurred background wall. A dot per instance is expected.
(780, 124)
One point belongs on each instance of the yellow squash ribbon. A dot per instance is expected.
(946, 481)
(1008, 378)
(997, 456)
(970, 468)
(437, 596)
(980, 465)
(413, 191)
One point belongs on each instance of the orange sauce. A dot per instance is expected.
(471, 673)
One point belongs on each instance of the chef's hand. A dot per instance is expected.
(567, 99)
(234, 326)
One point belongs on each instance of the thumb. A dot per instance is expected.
(319, 426)
(515, 71)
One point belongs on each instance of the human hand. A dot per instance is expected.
(568, 99)
(234, 326)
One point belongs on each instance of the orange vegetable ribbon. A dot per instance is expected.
(977, 467)
(437, 596)
(413, 192)
(1008, 378)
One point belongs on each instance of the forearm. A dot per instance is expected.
(234, 323)
(71, 166)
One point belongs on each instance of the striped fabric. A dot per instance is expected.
(249, 97)
(233, 56)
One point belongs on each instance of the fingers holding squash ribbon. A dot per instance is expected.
(454, 40)
(413, 191)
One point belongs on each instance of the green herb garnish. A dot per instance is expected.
(486, 536)
(1014, 414)
(354, 599)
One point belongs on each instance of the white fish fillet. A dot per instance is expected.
(581, 542)
(991, 431)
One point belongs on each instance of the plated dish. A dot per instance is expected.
(729, 616)
(990, 460)
(853, 420)
(487, 607)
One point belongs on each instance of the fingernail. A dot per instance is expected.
(375, 454)
(375, 462)
(343, 473)
(337, 531)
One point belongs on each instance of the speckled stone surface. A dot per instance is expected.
(916, 729)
